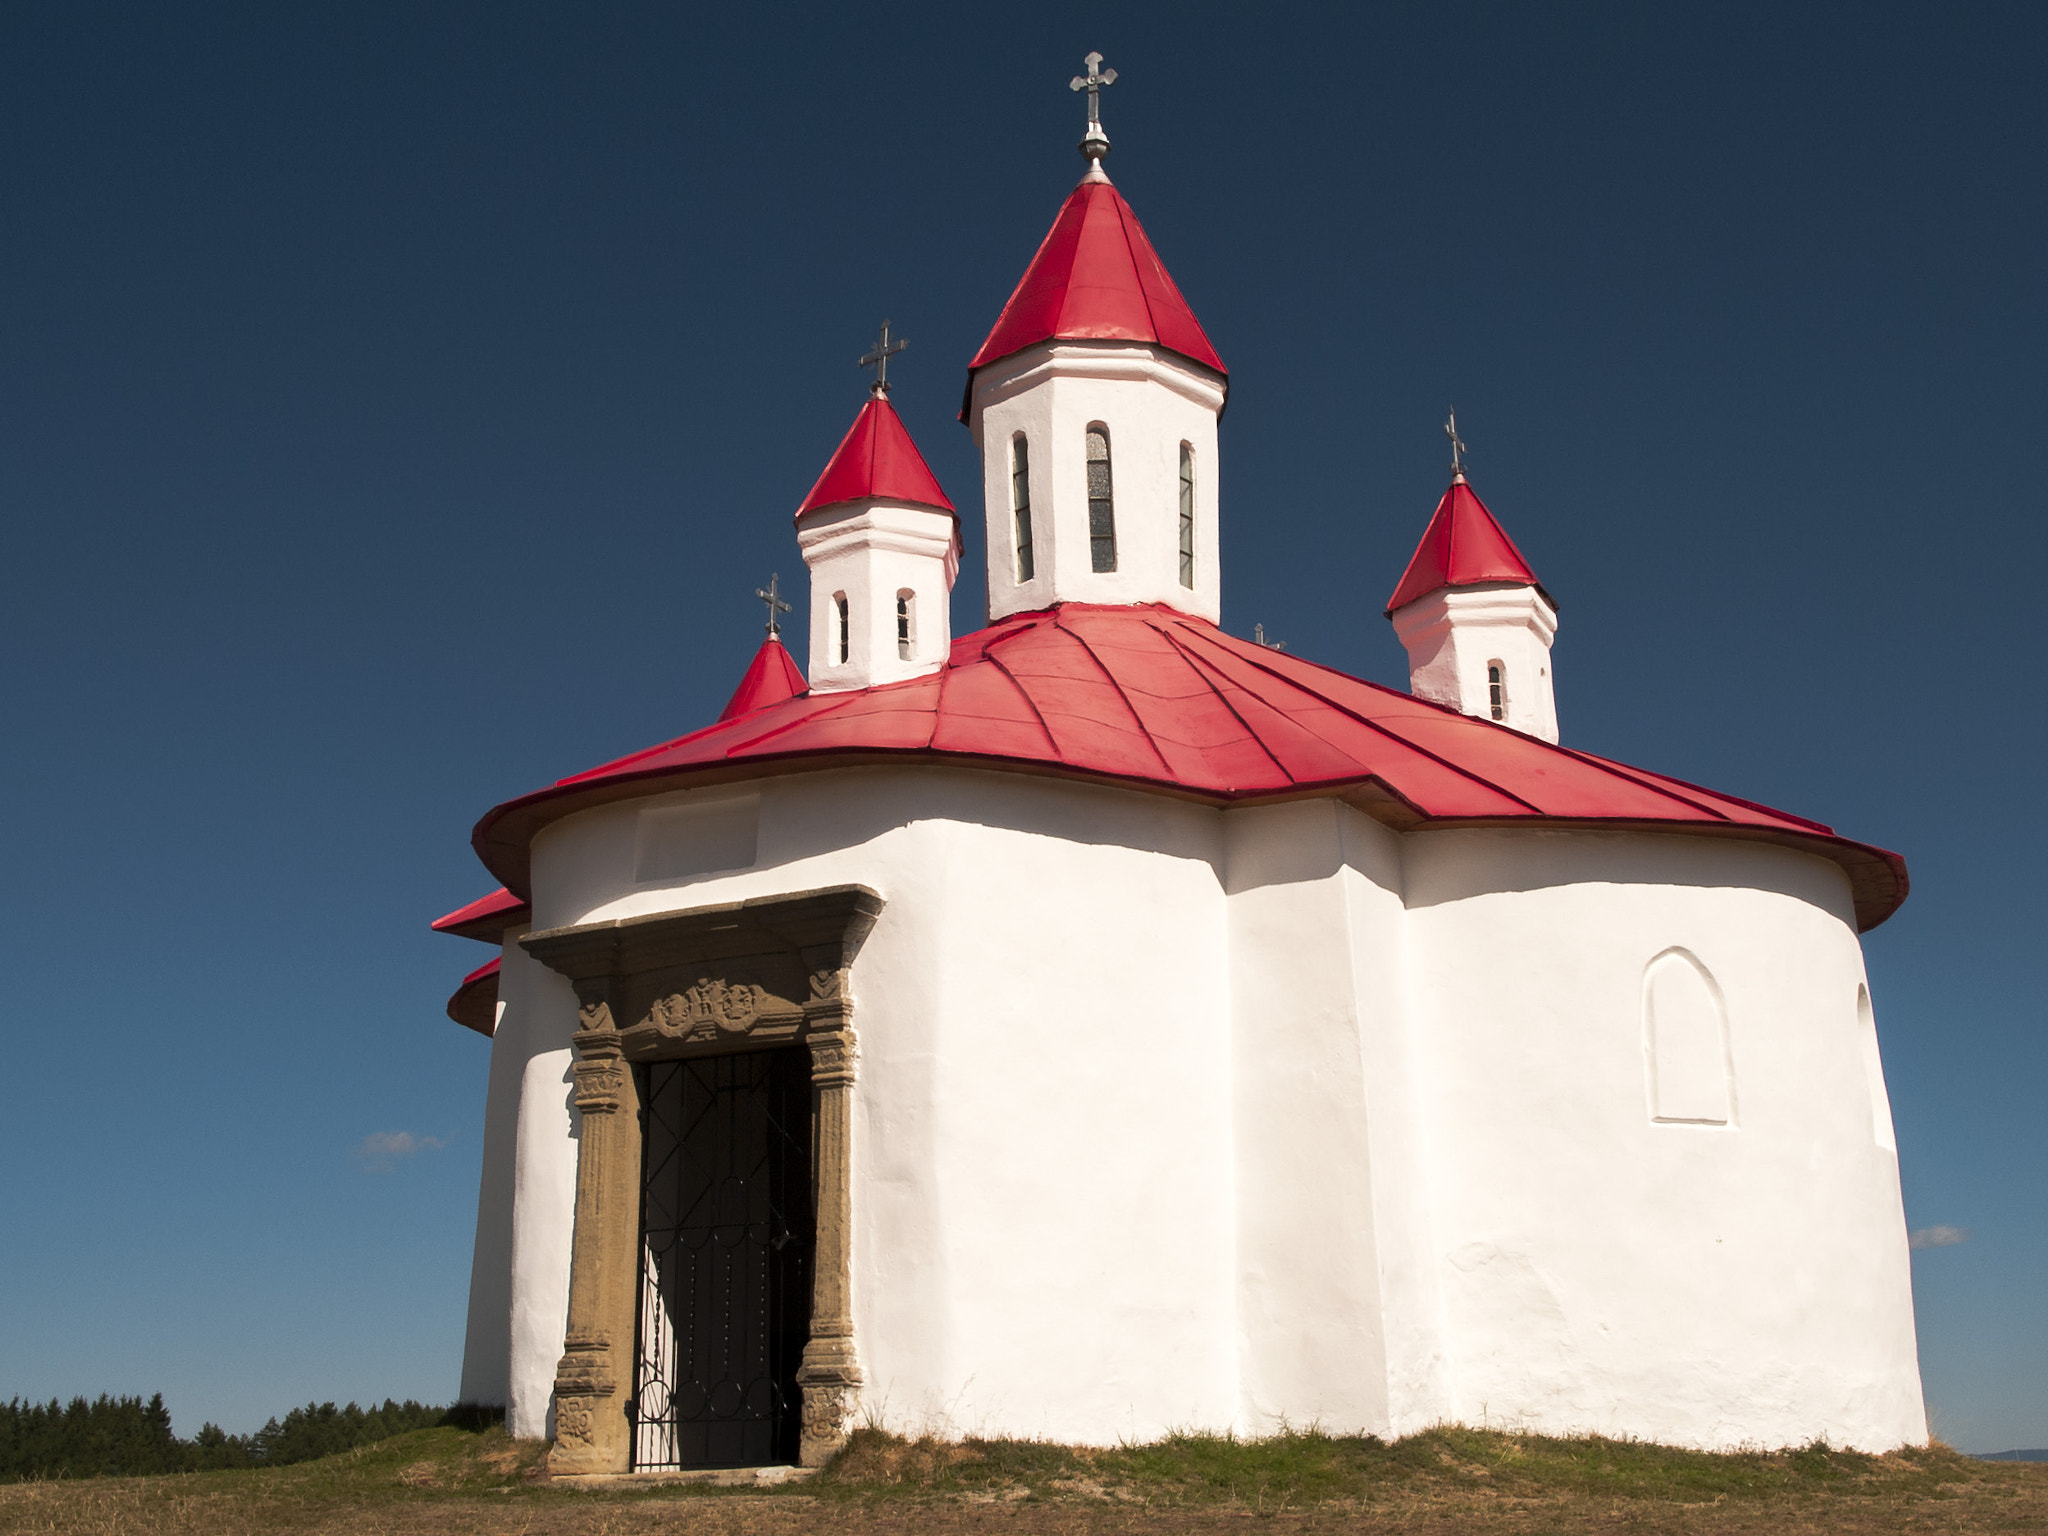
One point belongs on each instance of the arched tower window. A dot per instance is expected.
(1020, 499)
(1187, 515)
(906, 620)
(1497, 690)
(845, 626)
(1685, 1042)
(1101, 501)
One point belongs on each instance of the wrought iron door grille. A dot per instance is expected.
(727, 1227)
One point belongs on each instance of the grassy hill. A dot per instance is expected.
(452, 1482)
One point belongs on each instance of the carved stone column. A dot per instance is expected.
(830, 1376)
(592, 1431)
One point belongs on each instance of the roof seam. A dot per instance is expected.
(1308, 729)
(1203, 671)
(1137, 719)
(1391, 735)
(790, 725)
(1615, 770)
(1137, 271)
(1045, 730)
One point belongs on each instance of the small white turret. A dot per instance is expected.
(1476, 623)
(883, 546)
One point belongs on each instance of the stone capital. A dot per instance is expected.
(600, 1085)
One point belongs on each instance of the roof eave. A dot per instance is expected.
(503, 838)
(891, 501)
(1504, 581)
(1222, 375)
(474, 1004)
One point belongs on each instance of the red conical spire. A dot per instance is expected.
(1097, 278)
(771, 677)
(1462, 546)
(877, 461)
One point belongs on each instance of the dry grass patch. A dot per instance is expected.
(873, 1458)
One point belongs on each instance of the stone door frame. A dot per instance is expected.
(747, 975)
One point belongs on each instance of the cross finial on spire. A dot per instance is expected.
(1457, 446)
(1094, 143)
(772, 597)
(877, 358)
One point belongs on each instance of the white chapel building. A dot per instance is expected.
(1101, 1024)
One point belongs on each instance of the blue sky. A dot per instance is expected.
(400, 404)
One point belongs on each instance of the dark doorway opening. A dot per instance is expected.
(727, 1228)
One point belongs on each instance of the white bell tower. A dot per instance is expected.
(1094, 402)
(1099, 472)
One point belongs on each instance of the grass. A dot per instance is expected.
(1487, 1479)
(457, 1481)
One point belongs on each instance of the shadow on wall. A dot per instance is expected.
(1458, 864)
(819, 812)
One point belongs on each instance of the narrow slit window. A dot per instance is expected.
(1497, 690)
(905, 636)
(1101, 503)
(1187, 515)
(845, 627)
(1020, 497)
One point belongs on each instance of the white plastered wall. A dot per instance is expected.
(1706, 1285)
(1339, 1321)
(530, 1128)
(1174, 1117)
(487, 1339)
(869, 552)
(1151, 401)
(1042, 1120)
(1452, 635)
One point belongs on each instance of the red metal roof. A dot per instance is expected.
(771, 677)
(1152, 698)
(1097, 278)
(1463, 545)
(474, 1004)
(486, 918)
(877, 461)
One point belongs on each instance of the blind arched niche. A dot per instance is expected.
(1685, 1042)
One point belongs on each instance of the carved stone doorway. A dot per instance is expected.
(726, 1234)
(734, 982)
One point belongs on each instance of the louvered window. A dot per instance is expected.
(1187, 515)
(1101, 503)
(1020, 498)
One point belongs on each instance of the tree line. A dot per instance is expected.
(126, 1437)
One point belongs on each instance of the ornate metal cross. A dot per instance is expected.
(1093, 82)
(772, 597)
(1457, 446)
(878, 359)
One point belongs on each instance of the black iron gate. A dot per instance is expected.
(726, 1234)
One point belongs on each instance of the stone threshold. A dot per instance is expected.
(719, 1477)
